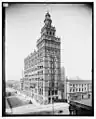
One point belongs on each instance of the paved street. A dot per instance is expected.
(20, 105)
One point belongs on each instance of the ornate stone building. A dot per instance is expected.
(42, 67)
(78, 89)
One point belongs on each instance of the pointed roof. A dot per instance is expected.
(47, 14)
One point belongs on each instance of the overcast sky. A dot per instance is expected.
(73, 25)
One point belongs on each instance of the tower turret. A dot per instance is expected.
(48, 20)
(47, 31)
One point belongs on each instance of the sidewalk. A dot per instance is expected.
(29, 98)
(34, 102)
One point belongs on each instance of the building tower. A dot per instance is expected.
(49, 59)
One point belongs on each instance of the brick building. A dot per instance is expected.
(42, 67)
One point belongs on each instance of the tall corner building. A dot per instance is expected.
(42, 67)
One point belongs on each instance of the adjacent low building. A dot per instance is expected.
(78, 89)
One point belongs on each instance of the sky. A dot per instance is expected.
(73, 25)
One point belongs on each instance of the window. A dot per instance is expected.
(52, 84)
(73, 85)
(70, 90)
(42, 91)
(88, 95)
(52, 92)
(29, 79)
(79, 89)
(55, 92)
(52, 65)
(49, 93)
(49, 100)
(52, 71)
(50, 33)
(53, 33)
(70, 84)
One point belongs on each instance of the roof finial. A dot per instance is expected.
(47, 11)
(47, 14)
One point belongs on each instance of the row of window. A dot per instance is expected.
(49, 58)
(53, 92)
(33, 58)
(52, 43)
(50, 33)
(40, 91)
(34, 69)
(52, 47)
(76, 85)
(78, 89)
(55, 49)
(32, 85)
(36, 79)
(51, 70)
(40, 72)
(31, 63)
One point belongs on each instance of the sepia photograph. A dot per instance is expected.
(47, 59)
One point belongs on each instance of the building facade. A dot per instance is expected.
(62, 85)
(63, 74)
(63, 80)
(42, 67)
(78, 89)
